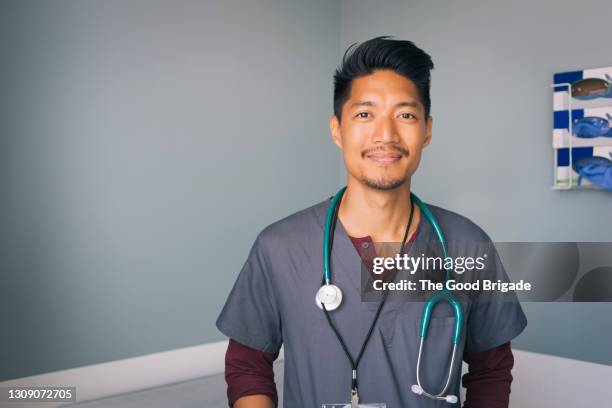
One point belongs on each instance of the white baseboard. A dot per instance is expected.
(133, 374)
(540, 380)
(543, 381)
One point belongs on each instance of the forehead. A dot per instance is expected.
(383, 84)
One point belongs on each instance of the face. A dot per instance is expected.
(383, 130)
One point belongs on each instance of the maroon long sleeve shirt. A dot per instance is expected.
(249, 371)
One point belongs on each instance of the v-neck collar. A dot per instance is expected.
(348, 261)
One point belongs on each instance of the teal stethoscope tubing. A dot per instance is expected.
(443, 295)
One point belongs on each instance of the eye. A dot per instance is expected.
(407, 115)
(363, 115)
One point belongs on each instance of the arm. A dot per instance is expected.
(489, 377)
(250, 377)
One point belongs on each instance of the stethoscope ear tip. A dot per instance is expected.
(451, 399)
(418, 390)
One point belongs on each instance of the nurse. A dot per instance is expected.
(381, 124)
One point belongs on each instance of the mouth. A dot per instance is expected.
(384, 157)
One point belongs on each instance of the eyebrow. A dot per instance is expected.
(412, 104)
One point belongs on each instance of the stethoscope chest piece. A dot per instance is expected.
(330, 296)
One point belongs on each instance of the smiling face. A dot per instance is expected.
(383, 130)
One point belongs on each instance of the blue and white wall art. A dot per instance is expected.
(582, 129)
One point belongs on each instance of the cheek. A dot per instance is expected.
(415, 160)
(352, 142)
(414, 139)
(351, 152)
(357, 132)
(352, 157)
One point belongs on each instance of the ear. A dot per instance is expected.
(428, 132)
(334, 128)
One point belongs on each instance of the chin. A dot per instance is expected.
(383, 184)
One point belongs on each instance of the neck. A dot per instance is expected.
(383, 215)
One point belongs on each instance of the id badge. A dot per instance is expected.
(376, 405)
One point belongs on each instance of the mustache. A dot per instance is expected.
(394, 149)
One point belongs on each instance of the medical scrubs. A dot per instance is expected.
(273, 303)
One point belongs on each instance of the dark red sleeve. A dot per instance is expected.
(249, 372)
(489, 377)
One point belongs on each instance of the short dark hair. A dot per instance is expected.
(380, 53)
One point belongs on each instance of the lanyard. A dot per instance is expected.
(355, 362)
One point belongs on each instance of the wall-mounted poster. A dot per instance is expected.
(582, 129)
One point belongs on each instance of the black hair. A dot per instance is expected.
(380, 53)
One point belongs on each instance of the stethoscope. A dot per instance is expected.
(329, 297)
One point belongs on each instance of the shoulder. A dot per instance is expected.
(299, 226)
(457, 226)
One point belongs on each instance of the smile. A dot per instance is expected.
(385, 158)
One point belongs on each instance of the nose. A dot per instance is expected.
(386, 131)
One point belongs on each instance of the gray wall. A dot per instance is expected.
(144, 144)
(491, 156)
(131, 130)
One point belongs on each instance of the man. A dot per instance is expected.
(381, 123)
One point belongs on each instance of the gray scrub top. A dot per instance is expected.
(272, 304)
